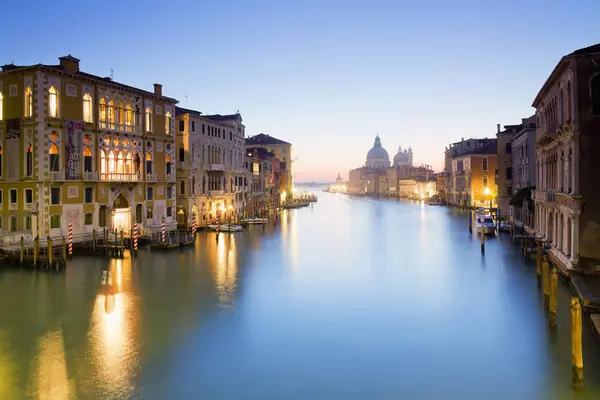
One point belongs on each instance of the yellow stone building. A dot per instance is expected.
(80, 149)
(282, 150)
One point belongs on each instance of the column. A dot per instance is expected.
(575, 166)
(560, 174)
(574, 238)
(565, 235)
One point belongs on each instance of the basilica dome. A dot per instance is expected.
(378, 157)
(403, 157)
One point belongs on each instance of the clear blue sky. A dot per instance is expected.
(324, 75)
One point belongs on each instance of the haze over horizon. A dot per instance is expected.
(326, 76)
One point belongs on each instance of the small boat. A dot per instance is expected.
(255, 221)
(485, 224)
(225, 227)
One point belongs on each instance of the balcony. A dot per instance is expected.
(12, 206)
(216, 192)
(119, 177)
(215, 167)
(151, 177)
(544, 196)
(170, 178)
(461, 172)
(56, 176)
(113, 126)
(90, 176)
(570, 201)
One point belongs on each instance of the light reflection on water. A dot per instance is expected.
(356, 298)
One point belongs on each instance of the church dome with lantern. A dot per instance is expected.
(403, 157)
(378, 157)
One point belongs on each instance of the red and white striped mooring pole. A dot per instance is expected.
(163, 229)
(193, 226)
(70, 239)
(135, 236)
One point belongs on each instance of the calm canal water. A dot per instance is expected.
(355, 298)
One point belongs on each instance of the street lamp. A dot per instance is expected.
(488, 192)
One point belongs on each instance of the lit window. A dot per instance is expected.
(168, 164)
(103, 112)
(121, 112)
(111, 114)
(53, 102)
(148, 163)
(87, 159)
(485, 181)
(111, 163)
(87, 108)
(148, 119)
(54, 158)
(168, 123)
(128, 115)
(103, 161)
(29, 160)
(28, 102)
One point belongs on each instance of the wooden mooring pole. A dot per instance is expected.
(64, 250)
(553, 299)
(22, 250)
(538, 261)
(470, 221)
(36, 250)
(50, 252)
(546, 282)
(482, 242)
(576, 348)
(93, 240)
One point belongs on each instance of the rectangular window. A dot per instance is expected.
(138, 213)
(169, 192)
(88, 219)
(508, 173)
(149, 213)
(28, 196)
(158, 110)
(102, 216)
(13, 223)
(150, 194)
(54, 195)
(169, 211)
(28, 223)
(193, 126)
(148, 166)
(13, 90)
(55, 221)
(230, 135)
(181, 126)
(13, 196)
(509, 190)
(89, 195)
(203, 132)
(71, 90)
(508, 148)
(87, 164)
(54, 162)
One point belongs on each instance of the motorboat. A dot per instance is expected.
(255, 221)
(485, 224)
(504, 226)
(224, 227)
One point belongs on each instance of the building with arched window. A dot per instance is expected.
(75, 148)
(568, 121)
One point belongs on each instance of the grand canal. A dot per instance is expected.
(355, 298)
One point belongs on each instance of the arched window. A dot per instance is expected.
(128, 117)
(28, 102)
(595, 92)
(121, 113)
(128, 163)
(87, 159)
(103, 162)
(111, 163)
(87, 108)
(111, 114)
(53, 102)
(148, 114)
(120, 163)
(193, 185)
(182, 188)
(569, 172)
(484, 164)
(168, 164)
(148, 163)
(181, 153)
(29, 160)
(1, 106)
(103, 112)
(485, 181)
(54, 158)
(168, 120)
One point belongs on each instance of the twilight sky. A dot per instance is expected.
(323, 75)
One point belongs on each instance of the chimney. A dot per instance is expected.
(498, 126)
(158, 89)
(69, 63)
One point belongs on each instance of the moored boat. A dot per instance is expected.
(485, 224)
(254, 221)
(224, 227)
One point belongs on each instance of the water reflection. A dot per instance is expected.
(289, 236)
(112, 338)
(226, 269)
(49, 379)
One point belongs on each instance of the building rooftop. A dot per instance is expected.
(488, 148)
(181, 110)
(595, 48)
(73, 69)
(219, 117)
(262, 139)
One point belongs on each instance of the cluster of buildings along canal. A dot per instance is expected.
(538, 173)
(88, 152)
